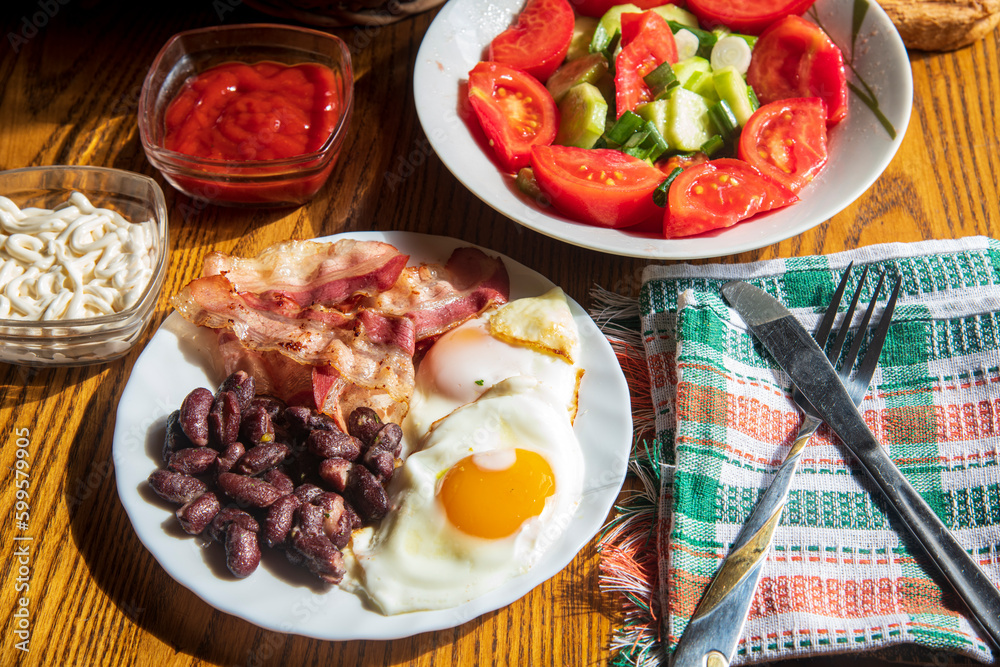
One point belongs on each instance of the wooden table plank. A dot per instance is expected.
(69, 95)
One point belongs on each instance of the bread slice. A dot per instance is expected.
(942, 25)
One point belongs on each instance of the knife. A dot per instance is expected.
(797, 353)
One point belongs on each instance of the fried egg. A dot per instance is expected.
(532, 337)
(497, 472)
(496, 481)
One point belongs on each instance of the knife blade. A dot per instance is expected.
(797, 353)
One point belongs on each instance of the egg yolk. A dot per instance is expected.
(492, 494)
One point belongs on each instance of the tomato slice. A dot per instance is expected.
(601, 187)
(795, 58)
(786, 141)
(647, 42)
(538, 41)
(514, 110)
(718, 194)
(746, 16)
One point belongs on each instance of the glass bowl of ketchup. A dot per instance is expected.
(250, 114)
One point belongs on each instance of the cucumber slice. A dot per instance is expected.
(588, 69)
(583, 32)
(583, 113)
(688, 124)
(675, 13)
(703, 83)
(734, 90)
(655, 112)
(609, 24)
(687, 68)
(606, 84)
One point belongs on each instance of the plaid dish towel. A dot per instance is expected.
(843, 575)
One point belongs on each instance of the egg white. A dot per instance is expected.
(467, 361)
(416, 559)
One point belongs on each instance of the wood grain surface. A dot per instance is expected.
(69, 88)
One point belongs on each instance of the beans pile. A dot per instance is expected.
(249, 470)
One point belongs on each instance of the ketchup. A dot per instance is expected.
(259, 112)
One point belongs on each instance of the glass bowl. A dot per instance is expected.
(79, 342)
(277, 182)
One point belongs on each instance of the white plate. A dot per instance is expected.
(860, 148)
(288, 599)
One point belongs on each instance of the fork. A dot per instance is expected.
(720, 616)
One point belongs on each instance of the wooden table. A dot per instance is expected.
(68, 95)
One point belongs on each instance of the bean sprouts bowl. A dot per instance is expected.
(73, 340)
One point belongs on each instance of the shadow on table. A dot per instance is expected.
(25, 385)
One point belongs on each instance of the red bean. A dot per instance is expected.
(336, 524)
(242, 551)
(279, 480)
(192, 460)
(256, 426)
(335, 472)
(248, 490)
(279, 519)
(260, 458)
(176, 487)
(381, 463)
(224, 420)
(228, 458)
(196, 515)
(309, 519)
(306, 492)
(364, 423)
(194, 415)
(321, 557)
(367, 495)
(227, 515)
(265, 456)
(389, 438)
(333, 444)
(272, 405)
(174, 438)
(243, 387)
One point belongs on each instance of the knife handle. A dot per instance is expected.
(711, 636)
(980, 595)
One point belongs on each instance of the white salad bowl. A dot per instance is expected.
(860, 147)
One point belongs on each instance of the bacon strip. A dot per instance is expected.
(311, 273)
(319, 387)
(335, 326)
(438, 298)
(336, 339)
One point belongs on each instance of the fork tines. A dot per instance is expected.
(870, 361)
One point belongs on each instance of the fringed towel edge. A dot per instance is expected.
(627, 565)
